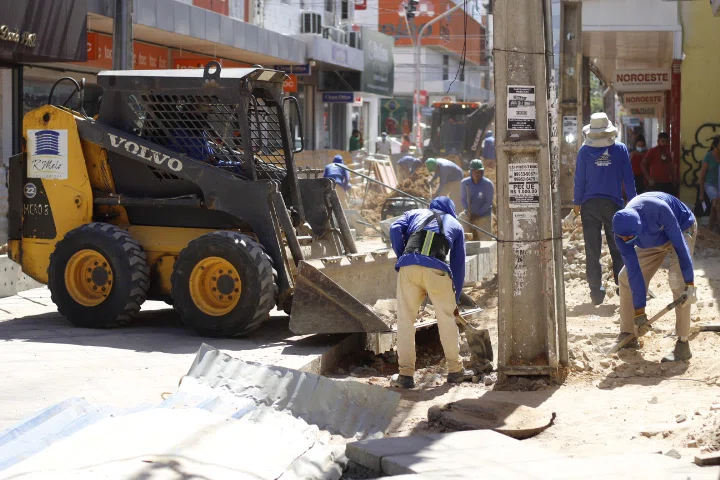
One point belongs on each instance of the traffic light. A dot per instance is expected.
(411, 8)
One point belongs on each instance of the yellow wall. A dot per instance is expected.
(700, 90)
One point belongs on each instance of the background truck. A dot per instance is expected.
(456, 128)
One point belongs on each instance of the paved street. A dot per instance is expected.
(46, 360)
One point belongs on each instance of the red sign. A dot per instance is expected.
(190, 60)
(145, 56)
(423, 98)
(290, 84)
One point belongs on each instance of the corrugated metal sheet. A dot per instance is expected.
(351, 409)
(284, 399)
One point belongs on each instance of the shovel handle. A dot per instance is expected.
(657, 316)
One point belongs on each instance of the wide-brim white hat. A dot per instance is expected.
(600, 126)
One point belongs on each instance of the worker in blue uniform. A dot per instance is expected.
(477, 193)
(407, 166)
(652, 227)
(450, 176)
(422, 240)
(340, 176)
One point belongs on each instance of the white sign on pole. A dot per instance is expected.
(570, 127)
(524, 185)
(521, 107)
(650, 80)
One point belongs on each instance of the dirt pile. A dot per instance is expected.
(3, 249)
(415, 186)
(575, 258)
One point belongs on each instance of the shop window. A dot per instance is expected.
(36, 91)
(344, 9)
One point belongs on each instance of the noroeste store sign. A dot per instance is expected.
(651, 80)
(637, 99)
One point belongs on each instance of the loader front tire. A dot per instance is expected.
(223, 284)
(98, 276)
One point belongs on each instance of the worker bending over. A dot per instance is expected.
(422, 240)
(407, 166)
(341, 177)
(477, 193)
(450, 176)
(651, 227)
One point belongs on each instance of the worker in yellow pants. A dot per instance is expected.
(422, 240)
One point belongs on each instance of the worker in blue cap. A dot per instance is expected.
(340, 176)
(422, 240)
(652, 227)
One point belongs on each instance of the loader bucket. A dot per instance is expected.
(322, 305)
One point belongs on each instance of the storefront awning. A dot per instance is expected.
(175, 24)
(332, 55)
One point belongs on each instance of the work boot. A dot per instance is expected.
(598, 296)
(631, 344)
(463, 375)
(402, 381)
(680, 353)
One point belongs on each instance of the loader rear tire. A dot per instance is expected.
(98, 276)
(224, 284)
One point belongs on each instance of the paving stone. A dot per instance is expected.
(473, 456)
(369, 453)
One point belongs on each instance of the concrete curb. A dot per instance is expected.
(12, 280)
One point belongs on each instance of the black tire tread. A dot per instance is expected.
(266, 273)
(137, 260)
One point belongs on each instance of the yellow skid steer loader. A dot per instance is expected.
(184, 189)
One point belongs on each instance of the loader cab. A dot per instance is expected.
(231, 119)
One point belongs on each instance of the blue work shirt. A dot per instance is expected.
(488, 148)
(601, 172)
(447, 171)
(339, 174)
(410, 162)
(411, 221)
(656, 218)
(477, 199)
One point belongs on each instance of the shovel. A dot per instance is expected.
(657, 317)
(478, 340)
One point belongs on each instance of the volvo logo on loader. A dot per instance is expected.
(148, 154)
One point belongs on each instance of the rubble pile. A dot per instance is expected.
(574, 253)
(3, 249)
(415, 186)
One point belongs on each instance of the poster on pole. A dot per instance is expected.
(570, 128)
(524, 185)
(521, 107)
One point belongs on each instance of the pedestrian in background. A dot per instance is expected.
(602, 170)
(709, 173)
(383, 147)
(355, 142)
(636, 159)
(405, 146)
(450, 176)
(659, 167)
(652, 227)
(340, 176)
(477, 193)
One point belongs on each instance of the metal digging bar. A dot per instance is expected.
(420, 200)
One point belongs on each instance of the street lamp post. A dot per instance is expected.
(416, 94)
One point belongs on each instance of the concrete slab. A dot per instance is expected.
(12, 280)
(457, 458)
(46, 360)
(370, 453)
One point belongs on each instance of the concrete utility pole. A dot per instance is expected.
(123, 35)
(571, 94)
(532, 331)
